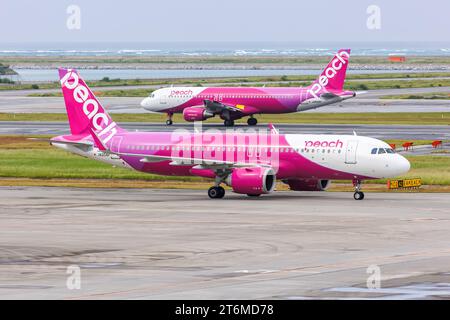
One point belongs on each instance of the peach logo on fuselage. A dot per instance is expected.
(181, 92)
(329, 73)
(100, 120)
(324, 144)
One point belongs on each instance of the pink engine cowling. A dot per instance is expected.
(252, 180)
(307, 184)
(196, 114)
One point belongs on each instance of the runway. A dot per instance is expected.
(408, 132)
(177, 244)
(19, 102)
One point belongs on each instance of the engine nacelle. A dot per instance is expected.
(252, 180)
(307, 184)
(196, 114)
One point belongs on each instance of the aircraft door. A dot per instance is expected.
(350, 153)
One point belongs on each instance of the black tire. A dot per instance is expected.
(216, 192)
(221, 192)
(253, 195)
(252, 121)
(169, 122)
(228, 123)
(359, 195)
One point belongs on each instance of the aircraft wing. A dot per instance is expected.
(186, 161)
(218, 107)
(329, 95)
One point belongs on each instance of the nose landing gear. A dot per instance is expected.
(169, 121)
(358, 195)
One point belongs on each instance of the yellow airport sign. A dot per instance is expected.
(404, 183)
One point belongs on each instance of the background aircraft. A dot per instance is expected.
(231, 103)
(249, 163)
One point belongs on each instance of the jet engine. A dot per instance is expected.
(196, 114)
(307, 184)
(253, 181)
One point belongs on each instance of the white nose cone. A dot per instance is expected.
(145, 103)
(402, 165)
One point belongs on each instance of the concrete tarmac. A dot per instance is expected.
(19, 102)
(178, 244)
(408, 132)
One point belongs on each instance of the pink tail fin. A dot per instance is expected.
(333, 76)
(84, 111)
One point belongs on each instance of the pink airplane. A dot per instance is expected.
(250, 163)
(232, 103)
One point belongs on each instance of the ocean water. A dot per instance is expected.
(239, 49)
(223, 48)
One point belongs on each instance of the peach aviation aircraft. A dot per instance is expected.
(250, 163)
(232, 103)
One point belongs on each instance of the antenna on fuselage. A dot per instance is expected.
(354, 133)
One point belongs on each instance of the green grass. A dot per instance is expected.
(22, 158)
(399, 142)
(418, 118)
(25, 162)
(433, 170)
(49, 163)
(105, 93)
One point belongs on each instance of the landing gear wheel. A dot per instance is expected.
(169, 119)
(221, 192)
(228, 123)
(216, 192)
(253, 195)
(252, 121)
(358, 195)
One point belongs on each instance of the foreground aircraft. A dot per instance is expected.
(232, 103)
(250, 163)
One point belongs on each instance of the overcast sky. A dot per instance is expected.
(25, 21)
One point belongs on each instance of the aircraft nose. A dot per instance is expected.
(402, 165)
(145, 102)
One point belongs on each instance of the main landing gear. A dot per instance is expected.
(252, 121)
(358, 195)
(169, 121)
(216, 192)
(228, 123)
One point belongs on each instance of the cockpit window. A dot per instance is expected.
(382, 150)
(152, 95)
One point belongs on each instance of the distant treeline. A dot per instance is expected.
(6, 70)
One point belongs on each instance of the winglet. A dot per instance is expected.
(97, 142)
(272, 129)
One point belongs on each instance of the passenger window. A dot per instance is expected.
(381, 150)
(374, 150)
